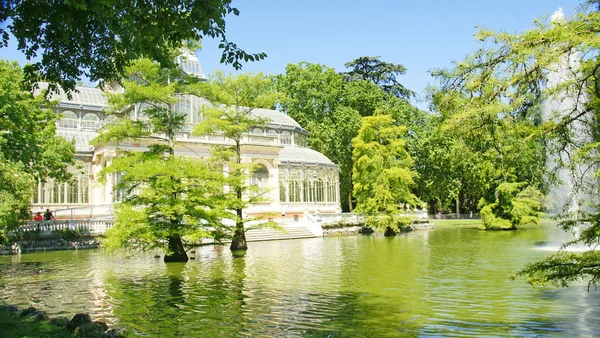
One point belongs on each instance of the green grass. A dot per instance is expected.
(13, 325)
(444, 223)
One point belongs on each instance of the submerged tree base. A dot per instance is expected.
(239, 253)
(238, 242)
(176, 258)
(176, 252)
(389, 232)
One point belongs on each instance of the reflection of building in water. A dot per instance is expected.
(296, 177)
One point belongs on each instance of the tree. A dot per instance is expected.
(29, 148)
(99, 39)
(520, 75)
(382, 173)
(16, 186)
(319, 99)
(233, 116)
(515, 204)
(381, 73)
(165, 199)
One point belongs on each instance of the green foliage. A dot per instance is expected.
(15, 325)
(29, 148)
(498, 100)
(236, 98)
(383, 74)
(100, 39)
(515, 204)
(563, 268)
(382, 172)
(330, 106)
(16, 187)
(164, 199)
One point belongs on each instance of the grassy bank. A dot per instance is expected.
(12, 324)
(448, 223)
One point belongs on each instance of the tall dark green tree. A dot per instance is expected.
(330, 107)
(67, 40)
(381, 73)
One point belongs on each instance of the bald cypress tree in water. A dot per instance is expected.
(165, 199)
(236, 98)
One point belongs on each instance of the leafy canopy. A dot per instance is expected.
(382, 172)
(164, 199)
(29, 147)
(100, 39)
(381, 73)
(233, 115)
(330, 107)
(503, 88)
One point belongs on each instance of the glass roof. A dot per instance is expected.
(82, 139)
(298, 155)
(276, 117)
(190, 64)
(82, 95)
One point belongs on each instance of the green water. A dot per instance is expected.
(444, 282)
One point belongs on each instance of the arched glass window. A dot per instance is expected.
(271, 132)
(282, 187)
(69, 121)
(286, 137)
(310, 178)
(183, 107)
(260, 177)
(90, 121)
(320, 188)
(257, 131)
(332, 187)
(294, 187)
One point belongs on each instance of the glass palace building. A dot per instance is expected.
(297, 178)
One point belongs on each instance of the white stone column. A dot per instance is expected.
(273, 183)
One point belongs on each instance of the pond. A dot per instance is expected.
(442, 282)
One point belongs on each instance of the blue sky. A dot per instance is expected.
(421, 35)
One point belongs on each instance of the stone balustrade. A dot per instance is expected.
(94, 227)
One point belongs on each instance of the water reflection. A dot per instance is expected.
(448, 282)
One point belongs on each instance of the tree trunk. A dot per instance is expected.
(457, 206)
(176, 251)
(350, 201)
(350, 192)
(389, 232)
(238, 242)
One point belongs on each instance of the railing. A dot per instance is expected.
(313, 224)
(94, 227)
(454, 216)
(89, 211)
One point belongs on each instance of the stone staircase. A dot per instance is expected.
(291, 232)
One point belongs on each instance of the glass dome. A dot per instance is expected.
(190, 64)
(276, 118)
(81, 95)
(304, 156)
